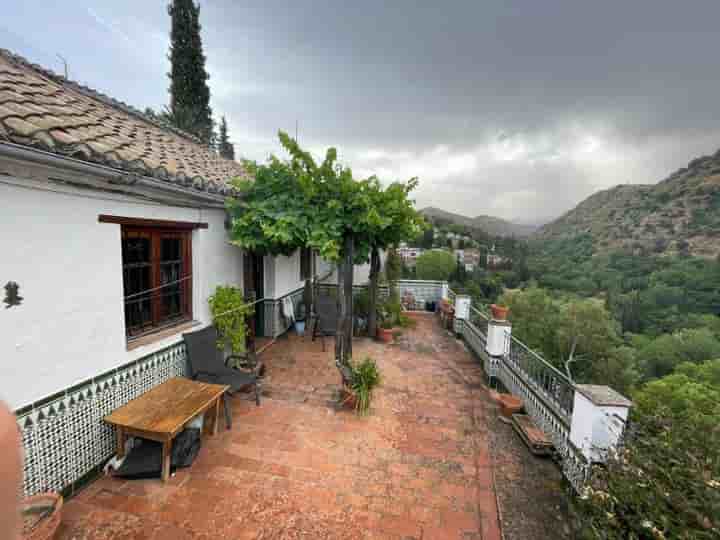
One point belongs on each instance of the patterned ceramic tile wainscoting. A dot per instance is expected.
(64, 436)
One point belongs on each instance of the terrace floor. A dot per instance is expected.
(418, 467)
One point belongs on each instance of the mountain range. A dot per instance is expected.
(491, 225)
(680, 214)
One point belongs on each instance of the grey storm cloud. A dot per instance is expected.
(518, 108)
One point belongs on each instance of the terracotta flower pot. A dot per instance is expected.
(509, 405)
(499, 313)
(385, 334)
(41, 516)
(348, 397)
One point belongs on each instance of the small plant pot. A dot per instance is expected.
(385, 335)
(348, 398)
(509, 405)
(41, 516)
(499, 313)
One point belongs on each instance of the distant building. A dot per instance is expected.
(409, 255)
(494, 260)
(471, 258)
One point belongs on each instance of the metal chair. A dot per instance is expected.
(326, 318)
(207, 363)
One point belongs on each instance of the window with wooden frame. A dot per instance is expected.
(306, 266)
(157, 278)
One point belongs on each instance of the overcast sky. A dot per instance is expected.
(518, 109)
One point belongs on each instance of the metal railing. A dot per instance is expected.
(548, 382)
(548, 394)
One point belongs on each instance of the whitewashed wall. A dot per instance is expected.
(70, 325)
(287, 275)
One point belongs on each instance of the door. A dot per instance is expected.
(254, 285)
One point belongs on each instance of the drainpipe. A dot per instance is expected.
(15, 151)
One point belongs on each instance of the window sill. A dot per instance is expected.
(164, 333)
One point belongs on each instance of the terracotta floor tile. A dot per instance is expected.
(299, 466)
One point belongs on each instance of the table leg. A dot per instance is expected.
(121, 438)
(216, 416)
(166, 452)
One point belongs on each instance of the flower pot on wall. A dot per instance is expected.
(509, 405)
(499, 313)
(385, 334)
(41, 516)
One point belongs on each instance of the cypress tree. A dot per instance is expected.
(225, 147)
(189, 108)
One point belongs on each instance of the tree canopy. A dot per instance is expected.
(297, 203)
(189, 107)
(225, 147)
(666, 481)
(435, 265)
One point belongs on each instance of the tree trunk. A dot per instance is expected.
(373, 291)
(343, 338)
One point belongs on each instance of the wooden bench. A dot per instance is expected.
(161, 413)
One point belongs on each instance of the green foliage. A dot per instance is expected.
(365, 377)
(665, 483)
(435, 265)
(648, 294)
(393, 266)
(389, 311)
(298, 203)
(189, 108)
(660, 356)
(561, 328)
(225, 147)
(406, 322)
(229, 312)
(361, 303)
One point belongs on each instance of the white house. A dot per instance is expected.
(114, 235)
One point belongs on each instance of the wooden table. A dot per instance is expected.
(161, 413)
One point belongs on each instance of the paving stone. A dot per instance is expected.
(418, 466)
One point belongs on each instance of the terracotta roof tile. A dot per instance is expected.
(41, 109)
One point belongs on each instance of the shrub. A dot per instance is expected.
(365, 377)
(229, 311)
(665, 482)
(435, 265)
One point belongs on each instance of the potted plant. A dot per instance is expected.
(229, 312)
(358, 393)
(499, 313)
(385, 331)
(41, 516)
(509, 405)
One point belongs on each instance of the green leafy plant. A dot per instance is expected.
(298, 203)
(229, 311)
(435, 265)
(361, 303)
(665, 482)
(365, 377)
(406, 322)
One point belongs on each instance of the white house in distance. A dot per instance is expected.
(409, 255)
(114, 236)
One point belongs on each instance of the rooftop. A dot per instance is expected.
(43, 110)
(430, 461)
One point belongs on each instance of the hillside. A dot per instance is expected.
(491, 225)
(680, 214)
